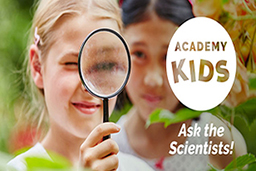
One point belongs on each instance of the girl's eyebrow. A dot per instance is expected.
(139, 44)
(69, 53)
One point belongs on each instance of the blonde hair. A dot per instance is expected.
(46, 17)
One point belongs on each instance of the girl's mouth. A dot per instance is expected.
(87, 108)
(152, 99)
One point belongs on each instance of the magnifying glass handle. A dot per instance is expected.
(105, 115)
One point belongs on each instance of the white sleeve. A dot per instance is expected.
(129, 162)
(19, 163)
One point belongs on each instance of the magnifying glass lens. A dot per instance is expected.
(104, 63)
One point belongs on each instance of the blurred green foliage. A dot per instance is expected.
(15, 20)
(239, 164)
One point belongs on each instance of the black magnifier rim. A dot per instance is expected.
(128, 57)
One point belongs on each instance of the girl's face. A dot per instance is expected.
(71, 108)
(148, 87)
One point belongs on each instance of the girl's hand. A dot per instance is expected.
(97, 154)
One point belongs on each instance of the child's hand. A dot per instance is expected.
(97, 154)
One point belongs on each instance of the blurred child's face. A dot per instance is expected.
(148, 87)
(71, 108)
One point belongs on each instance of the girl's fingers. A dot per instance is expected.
(109, 163)
(105, 148)
(98, 133)
(101, 153)
(100, 156)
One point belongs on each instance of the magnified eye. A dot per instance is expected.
(107, 66)
(104, 66)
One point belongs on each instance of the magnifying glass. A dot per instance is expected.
(104, 65)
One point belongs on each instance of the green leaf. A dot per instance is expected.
(250, 65)
(56, 162)
(225, 1)
(22, 150)
(159, 115)
(252, 83)
(249, 133)
(225, 111)
(247, 110)
(168, 118)
(116, 114)
(252, 167)
(240, 162)
(212, 168)
(35, 163)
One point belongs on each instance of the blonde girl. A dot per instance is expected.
(75, 129)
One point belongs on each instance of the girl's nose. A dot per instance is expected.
(153, 78)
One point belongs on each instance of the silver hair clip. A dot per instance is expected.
(37, 37)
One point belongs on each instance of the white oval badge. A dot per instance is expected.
(201, 63)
